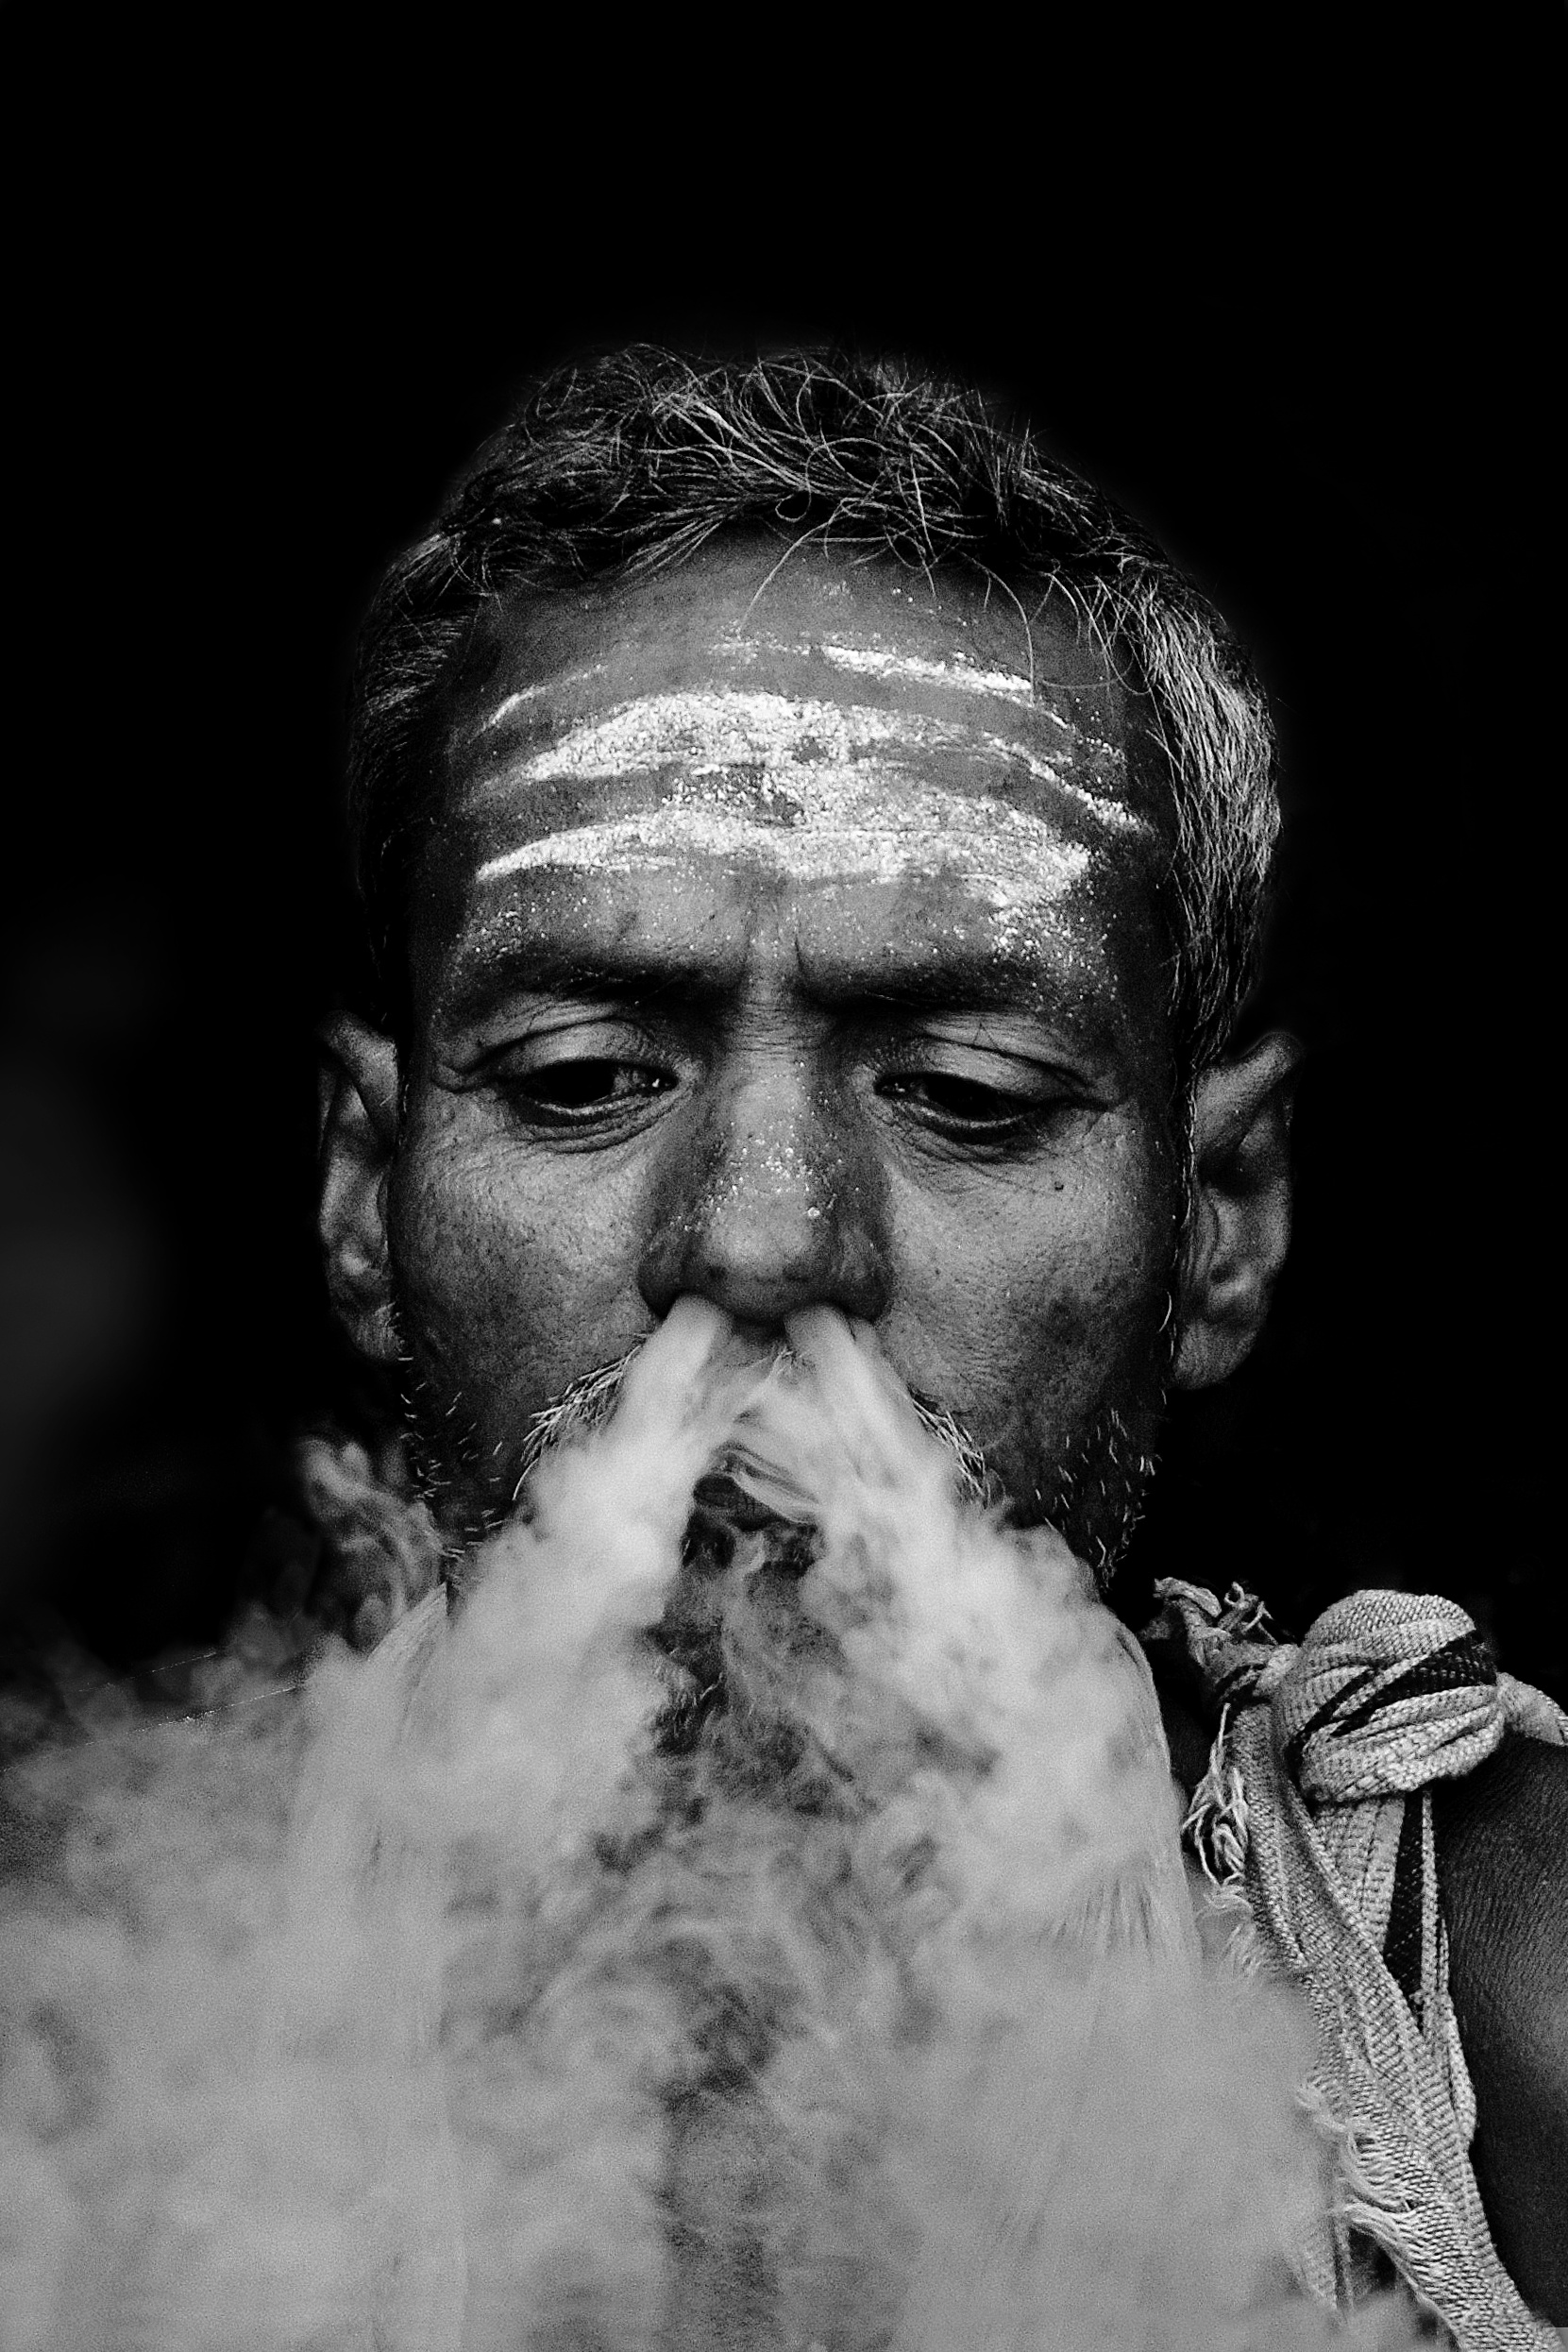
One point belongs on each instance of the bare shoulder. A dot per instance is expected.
(1503, 1868)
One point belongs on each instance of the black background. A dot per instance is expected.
(1299, 322)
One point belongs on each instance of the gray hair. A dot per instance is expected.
(629, 465)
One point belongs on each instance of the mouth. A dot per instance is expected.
(729, 1530)
(720, 1500)
(727, 1517)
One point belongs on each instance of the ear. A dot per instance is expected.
(1240, 1228)
(359, 1135)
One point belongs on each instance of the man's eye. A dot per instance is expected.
(960, 1104)
(579, 1087)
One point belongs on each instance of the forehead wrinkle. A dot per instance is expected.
(880, 662)
(667, 841)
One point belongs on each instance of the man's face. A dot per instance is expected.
(782, 944)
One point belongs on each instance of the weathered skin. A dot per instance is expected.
(783, 948)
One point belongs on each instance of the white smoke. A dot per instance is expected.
(456, 2004)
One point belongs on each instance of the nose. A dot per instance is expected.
(773, 1210)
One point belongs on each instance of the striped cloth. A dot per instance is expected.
(1313, 1824)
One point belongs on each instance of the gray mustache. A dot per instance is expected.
(587, 1403)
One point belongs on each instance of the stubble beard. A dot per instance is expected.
(1093, 1490)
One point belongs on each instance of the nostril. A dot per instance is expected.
(758, 1338)
(757, 1297)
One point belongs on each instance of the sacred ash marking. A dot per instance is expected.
(801, 785)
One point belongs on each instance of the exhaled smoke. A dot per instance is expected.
(495, 1992)
(588, 1402)
(1093, 1491)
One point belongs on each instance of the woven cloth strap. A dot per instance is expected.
(1388, 1692)
(1314, 1822)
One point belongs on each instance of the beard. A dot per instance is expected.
(1092, 1490)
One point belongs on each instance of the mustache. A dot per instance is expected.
(587, 1402)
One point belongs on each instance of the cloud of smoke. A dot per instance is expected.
(773, 1942)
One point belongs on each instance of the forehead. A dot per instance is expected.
(865, 739)
(1022, 690)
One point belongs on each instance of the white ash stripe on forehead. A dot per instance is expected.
(834, 834)
(789, 737)
(509, 703)
(863, 661)
(874, 661)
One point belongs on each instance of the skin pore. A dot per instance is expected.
(789, 940)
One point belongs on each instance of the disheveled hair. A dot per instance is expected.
(628, 465)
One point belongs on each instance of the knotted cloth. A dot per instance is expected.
(1314, 1823)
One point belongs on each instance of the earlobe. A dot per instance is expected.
(1240, 1225)
(359, 1135)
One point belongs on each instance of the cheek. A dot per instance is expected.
(515, 1277)
(1122, 1222)
(1041, 1296)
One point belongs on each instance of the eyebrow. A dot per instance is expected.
(994, 980)
(487, 975)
